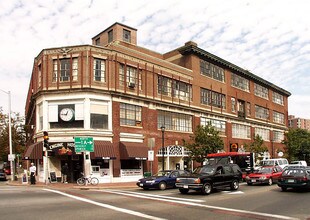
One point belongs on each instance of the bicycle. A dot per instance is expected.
(86, 180)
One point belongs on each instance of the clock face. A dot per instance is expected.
(66, 114)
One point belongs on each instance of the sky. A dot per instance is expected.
(271, 39)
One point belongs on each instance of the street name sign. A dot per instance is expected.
(83, 144)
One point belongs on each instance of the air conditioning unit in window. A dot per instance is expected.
(131, 85)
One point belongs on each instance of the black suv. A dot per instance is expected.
(208, 177)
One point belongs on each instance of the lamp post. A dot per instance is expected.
(163, 144)
(10, 136)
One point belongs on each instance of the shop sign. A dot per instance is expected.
(83, 144)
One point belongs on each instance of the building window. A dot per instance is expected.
(263, 133)
(97, 41)
(131, 76)
(260, 91)
(174, 88)
(211, 70)
(240, 82)
(181, 90)
(40, 117)
(174, 121)
(278, 117)
(278, 136)
(217, 124)
(277, 98)
(248, 109)
(164, 85)
(241, 131)
(110, 36)
(65, 69)
(66, 116)
(39, 75)
(130, 114)
(126, 36)
(233, 104)
(99, 70)
(99, 115)
(261, 112)
(212, 98)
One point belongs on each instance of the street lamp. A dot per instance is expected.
(10, 136)
(163, 144)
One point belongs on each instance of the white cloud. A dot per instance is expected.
(269, 38)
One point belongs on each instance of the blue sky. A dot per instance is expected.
(269, 38)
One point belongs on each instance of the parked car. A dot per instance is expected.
(299, 162)
(7, 170)
(264, 175)
(208, 177)
(2, 175)
(295, 177)
(282, 162)
(161, 180)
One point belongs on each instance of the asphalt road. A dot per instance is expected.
(249, 202)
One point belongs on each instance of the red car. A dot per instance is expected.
(265, 175)
(7, 170)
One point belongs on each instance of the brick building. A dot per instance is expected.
(302, 123)
(122, 95)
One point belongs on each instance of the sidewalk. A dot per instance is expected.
(75, 186)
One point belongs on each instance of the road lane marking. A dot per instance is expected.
(127, 211)
(245, 212)
(158, 196)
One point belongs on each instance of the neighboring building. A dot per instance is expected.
(122, 95)
(298, 122)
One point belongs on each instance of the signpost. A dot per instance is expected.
(84, 144)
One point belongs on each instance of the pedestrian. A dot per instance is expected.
(32, 171)
(64, 173)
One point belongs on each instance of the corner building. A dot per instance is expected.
(123, 95)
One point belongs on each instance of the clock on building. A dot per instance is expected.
(66, 114)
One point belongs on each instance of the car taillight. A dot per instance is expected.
(305, 178)
(197, 180)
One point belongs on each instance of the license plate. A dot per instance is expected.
(141, 184)
(185, 186)
(253, 181)
(290, 181)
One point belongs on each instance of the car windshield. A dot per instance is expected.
(163, 173)
(268, 163)
(264, 170)
(294, 172)
(205, 169)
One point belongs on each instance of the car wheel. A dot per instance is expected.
(249, 184)
(283, 189)
(270, 182)
(206, 188)
(234, 185)
(145, 188)
(162, 185)
(183, 191)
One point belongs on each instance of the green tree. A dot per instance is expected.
(297, 144)
(205, 140)
(257, 146)
(18, 135)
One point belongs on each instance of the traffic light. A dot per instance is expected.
(45, 137)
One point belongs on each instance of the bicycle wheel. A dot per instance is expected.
(94, 181)
(80, 181)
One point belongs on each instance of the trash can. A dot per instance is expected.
(147, 174)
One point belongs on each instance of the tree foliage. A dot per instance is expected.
(18, 135)
(297, 144)
(257, 146)
(205, 140)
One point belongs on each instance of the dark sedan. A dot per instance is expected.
(161, 180)
(2, 175)
(295, 177)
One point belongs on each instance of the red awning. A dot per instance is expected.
(103, 150)
(131, 150)
(34, 151)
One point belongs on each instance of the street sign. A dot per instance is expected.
(11, 157)
(83, 144)
(150, 155)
